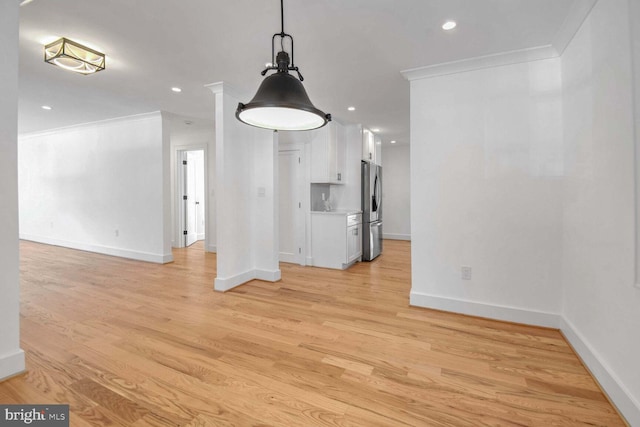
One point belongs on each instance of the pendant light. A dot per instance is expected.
(281, 102)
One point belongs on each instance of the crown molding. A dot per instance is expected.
(578, 12)
(480, 62)
(222, 87)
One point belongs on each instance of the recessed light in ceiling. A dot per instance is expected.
(375, 130)
(351, 108)
(46, 107)
(176, 89)
(449, 25)
(393, 142)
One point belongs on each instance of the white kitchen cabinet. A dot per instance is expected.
(336, 239)
(354, 243)
(368, 146)
(328, 154)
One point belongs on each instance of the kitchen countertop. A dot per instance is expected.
(338, 212)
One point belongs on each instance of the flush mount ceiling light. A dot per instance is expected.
(74, 57)
(281, 102)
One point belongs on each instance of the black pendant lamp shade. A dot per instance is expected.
(281, 102)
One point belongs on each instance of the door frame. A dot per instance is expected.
(179, 154)
(304, 194)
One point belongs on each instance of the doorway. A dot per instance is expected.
(191, 197)
(292, 208)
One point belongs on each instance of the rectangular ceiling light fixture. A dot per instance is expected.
(74, 57)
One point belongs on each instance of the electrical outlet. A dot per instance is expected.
(465, 273)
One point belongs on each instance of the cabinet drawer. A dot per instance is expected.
(354, 219)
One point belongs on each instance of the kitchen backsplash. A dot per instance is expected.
(317, 192)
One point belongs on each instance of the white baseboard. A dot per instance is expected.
(392, 236)
(610, 383)
(200, 236)
(626, 404)
(498, 312)
(268, 275)
(309, 260)
(223, 284)
(106, 250)
(11, 364)
(212, 248)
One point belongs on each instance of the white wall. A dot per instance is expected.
(486, 153)
(102, 187)
(11, 356)
(601, 304)
(246, 219)
(396, 204)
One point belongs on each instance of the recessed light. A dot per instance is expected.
(375, 130)
(351, 108)
(393, 142)
(46, 107)
(176, 89)
(449, 25)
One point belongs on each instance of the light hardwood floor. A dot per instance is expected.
(129, 343)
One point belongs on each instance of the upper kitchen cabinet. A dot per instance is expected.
(328, 155)
(368, 146)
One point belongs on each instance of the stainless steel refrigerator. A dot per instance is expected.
(371, 210)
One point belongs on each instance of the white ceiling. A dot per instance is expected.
(350, 52)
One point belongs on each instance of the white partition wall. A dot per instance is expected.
(246, 197)
(102, 187)
(11, 356)
(528, 174)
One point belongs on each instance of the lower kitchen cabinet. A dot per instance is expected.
(336, 238)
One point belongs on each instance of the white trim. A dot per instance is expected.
(619, 395)
(223, 284)
(222, 87)
(575, 17)
(480, 62)
(105, 250)
(572, 23)
(268, 275)
(200, 236)
(212, 248)
(106, 122)
(498, 312)
(392, 236)
(12, 364)
(309, 260)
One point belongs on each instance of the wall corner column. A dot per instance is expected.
(11, 356)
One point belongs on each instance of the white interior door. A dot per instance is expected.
(189, 199)
(291, 211)
(198, 160)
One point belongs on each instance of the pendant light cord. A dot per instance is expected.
(282, 17)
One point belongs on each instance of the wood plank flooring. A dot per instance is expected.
(129, 343)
